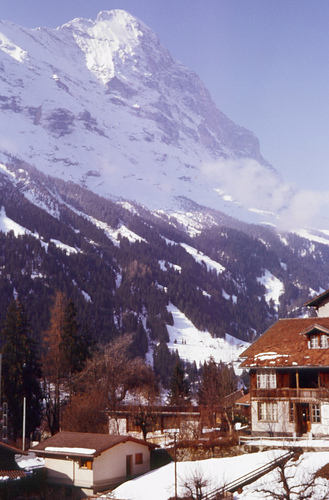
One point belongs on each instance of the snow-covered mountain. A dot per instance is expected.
(102, 103)
(96, 116)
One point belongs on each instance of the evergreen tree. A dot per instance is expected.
(21, 371)
(74, 345)
(218, 380)
(179, 391)
(209, 392)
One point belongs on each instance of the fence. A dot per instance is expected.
(249, 478)
(286, 442)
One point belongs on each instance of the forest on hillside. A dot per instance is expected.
(119, 291)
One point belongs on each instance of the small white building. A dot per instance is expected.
(90, 463)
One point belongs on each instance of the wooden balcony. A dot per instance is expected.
(320, 393)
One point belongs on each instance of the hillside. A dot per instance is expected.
(123, 266)
(115, 177)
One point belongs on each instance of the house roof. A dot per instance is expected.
(7, 448)
(11, 474)
(244, 400)
(230, 399)
(82, 444)
(318, 299)
(285, 344)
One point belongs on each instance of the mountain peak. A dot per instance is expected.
(117, 15)
(106, 97)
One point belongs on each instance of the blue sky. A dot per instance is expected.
(265, 63)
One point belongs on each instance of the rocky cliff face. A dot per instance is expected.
(103, 103)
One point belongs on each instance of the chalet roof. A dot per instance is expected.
(82, 444)
(316, 301)
(8, 449)
(230, 399)
(244, 400)
(285, 344)
(11, 474)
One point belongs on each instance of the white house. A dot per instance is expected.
(92, 462)
(289, 375)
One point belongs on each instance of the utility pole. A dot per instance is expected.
(175, 434)
(1, 413)
(0, 380)
(24, 422)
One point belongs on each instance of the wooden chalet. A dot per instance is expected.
(12, 477)
(289, 375)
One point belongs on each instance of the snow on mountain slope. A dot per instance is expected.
(204, 259)
(6, 225)
(103, 103)
(195, 345)
(274, 287)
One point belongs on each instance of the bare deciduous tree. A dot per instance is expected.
(52, 363)
(292, 480)
(111, 373)
(196, 484)
(146, 411)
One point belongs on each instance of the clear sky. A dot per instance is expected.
(265, 63)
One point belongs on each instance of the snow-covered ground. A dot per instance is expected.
(201, 258)
(299, 474)
(274, 287)
(195, 345)
(217, 472)
(7, 225)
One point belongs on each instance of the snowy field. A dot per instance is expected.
(195, 345)
(7, 225)
(216, 472)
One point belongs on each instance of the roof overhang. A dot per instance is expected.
(318, 299)
(63, 454)
(315, 328)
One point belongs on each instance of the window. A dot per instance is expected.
(267, 412)
(85, 464)
(266, 379)
(319, 341)
(316, 416)
(138, 458)
(314, 342)
(291, 412)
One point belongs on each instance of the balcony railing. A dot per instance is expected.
(320, 393)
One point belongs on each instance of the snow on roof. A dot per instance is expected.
(82, 443)
(270, 356)
(283, 345)
(78, 451)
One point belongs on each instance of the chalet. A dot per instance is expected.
(8, 465)
(242, 408)
(12, 477)
(289, 375)
(81, 464)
